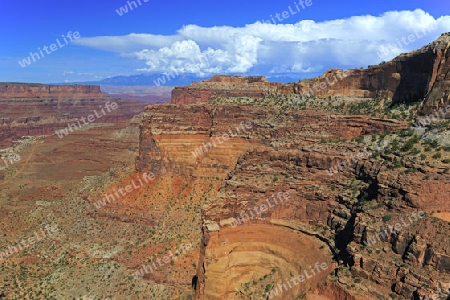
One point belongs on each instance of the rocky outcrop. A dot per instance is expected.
(439, 83)
(27, 90)
(31, 109)
(410, 77)
(227, 86)
(170, 125)
(256, 256)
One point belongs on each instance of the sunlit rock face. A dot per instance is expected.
(282, 242)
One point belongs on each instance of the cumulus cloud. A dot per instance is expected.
(304, 47)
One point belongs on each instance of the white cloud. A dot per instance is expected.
(303, 47)
(130, 42)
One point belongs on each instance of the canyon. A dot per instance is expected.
(336, 214)
(37, 109)
(328, 218)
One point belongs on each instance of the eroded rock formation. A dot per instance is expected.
(227, 86)
(321, 221)
(29, 90)
(33, 109)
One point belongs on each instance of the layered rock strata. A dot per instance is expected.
(29, 90)
(31, 109)
(322, 220)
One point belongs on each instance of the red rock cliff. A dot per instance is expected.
(227, 86)
(25, 90)
(35, 109)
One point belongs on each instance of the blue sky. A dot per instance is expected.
(208, 37)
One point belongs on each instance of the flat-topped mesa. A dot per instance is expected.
(26, 90)
(39, 109)
(228, 86)
(237, 79)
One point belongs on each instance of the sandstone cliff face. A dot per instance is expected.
(410, 77)
(169, 125)
(404, 79)
(439, 83)
(30, 109)
(227, 86)
(280, 153)
(319, 201)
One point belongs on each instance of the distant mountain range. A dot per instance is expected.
(164, 80)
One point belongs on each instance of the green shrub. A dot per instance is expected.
(406, 132)
(437, 155)
(431, 143)
(359, 139)
(410, 143)
(387, 217)
(385, 133)
(415, 151)
(394, 146)
(411, 170)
